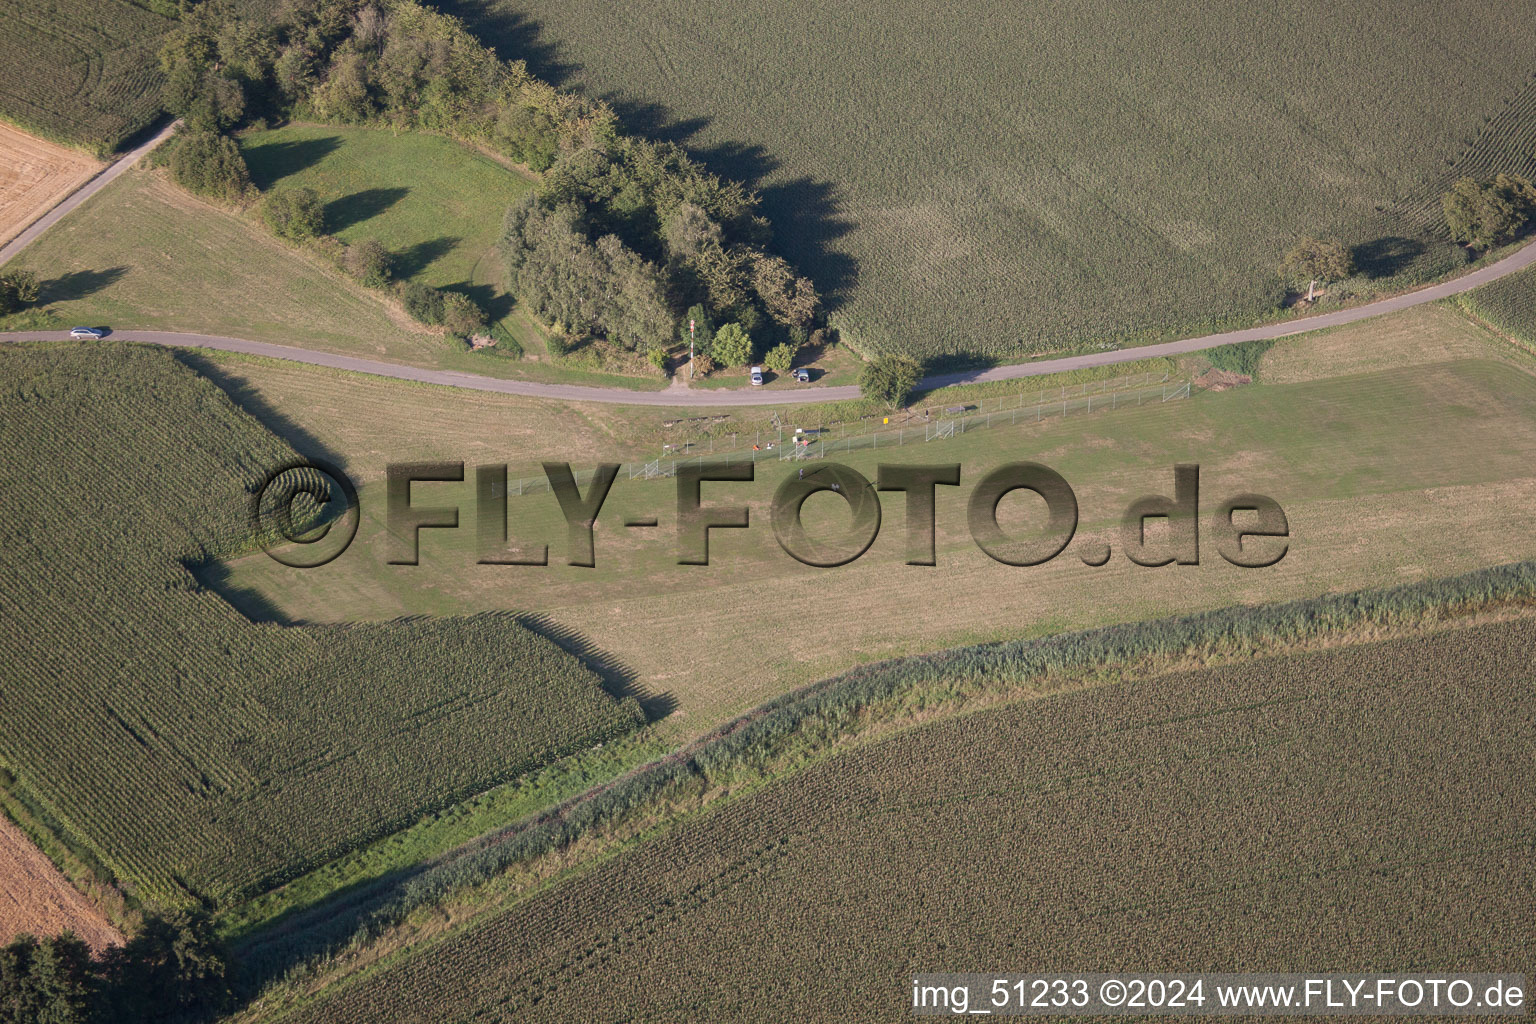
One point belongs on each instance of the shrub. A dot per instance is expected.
(780, 358)
(703, 364)
(368, 262)
(732, 346)
(890, 379)
(425, 304)
(1241, 358)
(460, 315)
(657, 358)
(295, 213)
(210, 165)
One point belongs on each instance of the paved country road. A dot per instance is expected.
(680, 396)
(106, 176)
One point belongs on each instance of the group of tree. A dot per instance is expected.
(172, 971)
(18, 290)
(621, 234)
(1486, 213)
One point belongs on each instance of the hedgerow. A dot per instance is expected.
(798, 724)
(1211, 816)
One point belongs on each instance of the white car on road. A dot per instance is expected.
(93, 333)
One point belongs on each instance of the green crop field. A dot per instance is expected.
(185, 750)
(1410, 458)
(1337, 807)
(1508, 305)
(80, 71)
(436, 205)
(996, 179)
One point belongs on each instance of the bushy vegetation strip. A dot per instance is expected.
(803, 725)
(621, 236)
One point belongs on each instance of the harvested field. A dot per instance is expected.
(34, 175)
(36, 899)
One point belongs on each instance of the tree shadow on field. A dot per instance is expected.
(414, 259)
(618, 678)
(808, 218)
(270, 162)
(77, 284)
(255, 403)
(651, 120)
(253, 604)
(1386, 257)
(806, 214)
(512, 35)
(342, 213)
(497, 304)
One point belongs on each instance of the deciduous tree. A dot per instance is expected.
(890, 379)
(1312, 260)
(1483, 214)
(732, 346)
(780, 358)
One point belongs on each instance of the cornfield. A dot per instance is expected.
(80, 71)
(188, 751)
(1508, 305)
(1065, 174)
(1367, 806)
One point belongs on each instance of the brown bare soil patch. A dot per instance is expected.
(36, 898)
(34, 175)
(1220, 380)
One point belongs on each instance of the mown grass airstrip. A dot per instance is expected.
(1387, 475)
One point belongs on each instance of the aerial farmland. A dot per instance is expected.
(666, 512)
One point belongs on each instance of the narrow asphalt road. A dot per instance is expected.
(683, 397)
(106, 176)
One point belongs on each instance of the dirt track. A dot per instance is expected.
(34, 176)
(36, 898)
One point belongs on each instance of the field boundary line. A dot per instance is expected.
(86, 189)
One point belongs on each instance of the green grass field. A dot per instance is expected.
(187, 752)
(80, 71)
(436, 205)
(1334, 807)
(143, 253)
(1062, 174)
(1411, 459)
